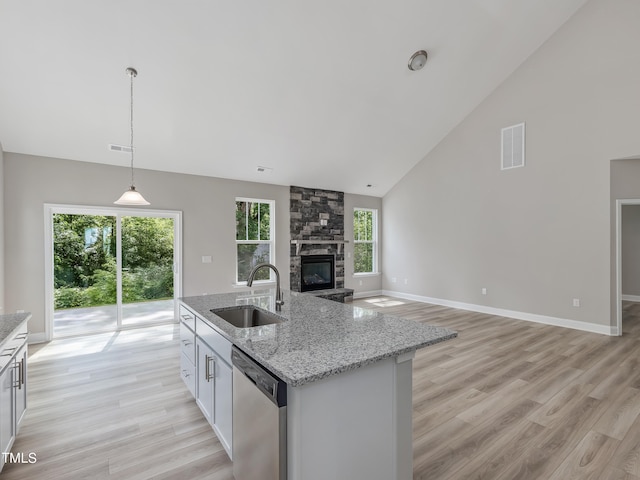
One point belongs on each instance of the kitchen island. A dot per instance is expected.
(348, 374)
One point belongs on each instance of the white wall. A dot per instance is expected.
(538, 236)
(208, 206)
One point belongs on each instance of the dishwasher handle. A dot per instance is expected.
(270, 385)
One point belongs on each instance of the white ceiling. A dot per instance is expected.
(317, 90)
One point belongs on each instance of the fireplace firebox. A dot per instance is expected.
(317, 272)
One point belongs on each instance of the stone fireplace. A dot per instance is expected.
(317, 230)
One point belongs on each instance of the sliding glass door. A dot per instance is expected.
(110, 268)
(147, 270)
(84, 273)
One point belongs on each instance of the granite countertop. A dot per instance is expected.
(317, 337)
(10, 323)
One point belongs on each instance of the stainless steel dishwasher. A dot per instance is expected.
(259, 421)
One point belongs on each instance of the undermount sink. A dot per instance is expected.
(246, 316)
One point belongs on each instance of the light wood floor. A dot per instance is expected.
(506, 400)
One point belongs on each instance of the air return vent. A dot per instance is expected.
(513, 146)
(119, 148)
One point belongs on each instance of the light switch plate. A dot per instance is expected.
(206, 259)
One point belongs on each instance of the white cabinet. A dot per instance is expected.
(214, 389)
(223, 404)
(205, 382)
(7, 408)
(13, 388)
(205, 364)
(188, 357)
(20, 385)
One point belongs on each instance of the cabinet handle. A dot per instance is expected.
(16, 382)
(10, 350)
(23, 372)
(208, 374)
(22, 336)
(187, 342)
(186, 317)
(185, 373)
(20, 373)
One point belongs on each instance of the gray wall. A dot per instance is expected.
(369, 284)
(538, 236)
(208, 220)
(624, 185)
(631, 250)
(2, 305)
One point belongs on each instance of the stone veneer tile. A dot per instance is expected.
(308, 206)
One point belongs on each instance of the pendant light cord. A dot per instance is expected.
(132, 73)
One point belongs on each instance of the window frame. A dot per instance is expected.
(271, 242)
(373, 241)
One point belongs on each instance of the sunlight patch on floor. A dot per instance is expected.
(384, 302)
(100, 342)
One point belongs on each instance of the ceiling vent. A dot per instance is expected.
(119, 148)
(513, 146)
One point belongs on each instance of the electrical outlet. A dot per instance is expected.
(206, 259)
(576, 302)
(484, 291)
(19, 311)
(360, 282)
(406, 281)
(394, 280)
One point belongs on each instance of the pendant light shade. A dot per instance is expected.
(131, 196)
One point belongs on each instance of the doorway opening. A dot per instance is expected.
(110, 268)
(627, 257)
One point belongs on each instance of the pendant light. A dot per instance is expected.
(131, 196)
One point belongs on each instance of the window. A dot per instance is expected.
(365, 236)
(254, 237)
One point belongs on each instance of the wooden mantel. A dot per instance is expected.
(299, 243)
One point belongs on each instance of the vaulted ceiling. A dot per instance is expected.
(317, 91)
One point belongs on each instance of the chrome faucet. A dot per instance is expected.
(279, 300)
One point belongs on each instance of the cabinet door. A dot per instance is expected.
(205, 382)
(7, 432)
(20, 385)
(188, 374)
(223, 404)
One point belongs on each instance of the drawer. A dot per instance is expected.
(188, 373)
(187, 343)
(188, 317)
(12, 345)
(220, 345)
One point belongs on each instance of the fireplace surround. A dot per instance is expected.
(317, 216)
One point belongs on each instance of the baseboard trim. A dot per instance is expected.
(529, 317)
(37, 338)
(631, 298)
(372, 293)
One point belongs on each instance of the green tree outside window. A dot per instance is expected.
(254, 243)
(364, 242)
